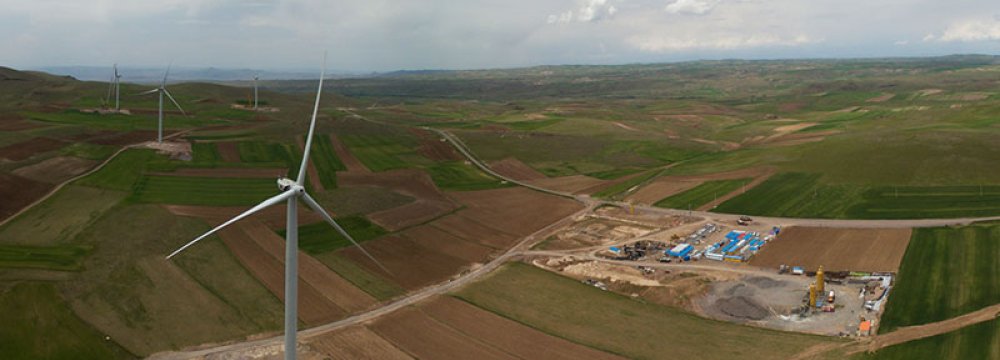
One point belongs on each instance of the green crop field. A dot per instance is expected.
(325, 159)
(459, 176)
(205, 153)
(38, 324)
(119, 122)
(946, 272)
(60, 257)
(320, 237)
(373, 284)
(702, 194)
(88, 151)
(804, 195)
(380, 153)
(976, 342)
(584, 314)
(267, 152)
(58, 219)
(624, 186)
(122, 172)
(183, 190)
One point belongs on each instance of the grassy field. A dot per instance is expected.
(380, 153)
(374, 285)
(205, 153)
(976, 342)
(325, 159)
(617, 189)
(121, 173)
(118, 122)
(268, 152)
(203, 191)
(702, 194)
(320, 237)
(88, 151)
(59, 218)
(604, 320)
(38, 324)
(61, 257)
(946, 272)
(459, 176)
(805, 195)
(140, 299)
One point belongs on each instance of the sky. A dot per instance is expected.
(386, 35)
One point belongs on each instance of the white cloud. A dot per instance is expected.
(695, 7)
(969, 31)
(589, 11)
(717, 42)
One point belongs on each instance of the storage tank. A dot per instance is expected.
(819, 280)
(812, 295)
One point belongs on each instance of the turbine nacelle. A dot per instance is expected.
(285, 184)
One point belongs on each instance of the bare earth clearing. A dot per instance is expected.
(836, 249)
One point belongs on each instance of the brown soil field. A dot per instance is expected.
(262, 173)
(18, 192)
(313, 307)
(418, 334)
(228, 151)
(410, 264)
(515, 169)
(55, 170)
(510, 336)
(350, 162)
(14, 122)
(431, 203)
(517, 210)
(472, 230)
(355, 342)
(570, 184)
(328, 283)
(32, 147)
(411, 214)
(120, 139)
(448, 244)
(273, 216)
(836, 249)
(433, 148)
(667, 186)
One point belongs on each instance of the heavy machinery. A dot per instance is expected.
(744, 220)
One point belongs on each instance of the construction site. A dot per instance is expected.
(709, 267)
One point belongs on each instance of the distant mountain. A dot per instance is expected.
(184, 74)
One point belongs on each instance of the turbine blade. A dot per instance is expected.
(312, 127)
(165, 74)
(326, 216)
(174, 101)
(147, 92)
(263, 205)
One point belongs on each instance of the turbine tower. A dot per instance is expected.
(118, 78)
(255, 78)
(291, 192)
(113, 86)
(162, 90)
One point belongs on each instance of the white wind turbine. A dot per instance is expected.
(255, 78)
(162, 90)
(114, 86)
(291, 192)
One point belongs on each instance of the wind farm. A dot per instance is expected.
(481, 200)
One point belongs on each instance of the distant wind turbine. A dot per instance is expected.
(291, 192)
(114, 86)
(162, 90)
(255, 78)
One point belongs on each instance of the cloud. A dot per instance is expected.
(694, 7)
(970, 31)
(717, 42)
(589, 11)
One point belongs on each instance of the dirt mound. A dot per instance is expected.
(515, 169)
(32, 147)
(742, 307)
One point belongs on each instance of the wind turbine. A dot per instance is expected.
(162, 90)
(255, 78)
(291, 192)
(113, 86)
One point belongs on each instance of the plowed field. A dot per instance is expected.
(836, 249)
(515, 169)
(29, 148)
(17, 192)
